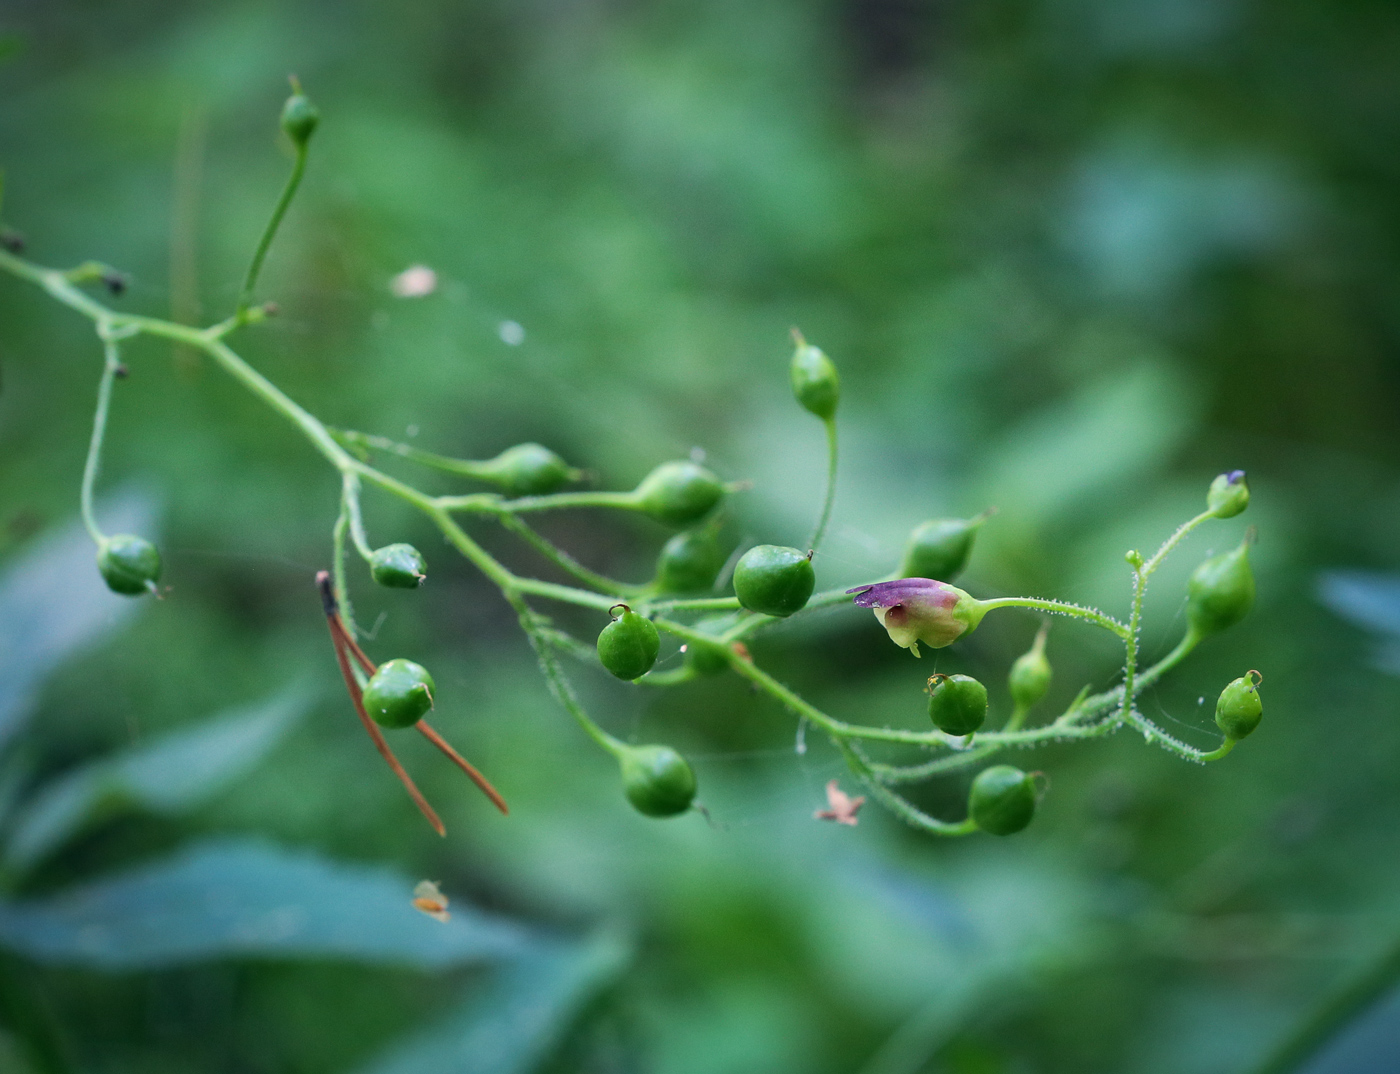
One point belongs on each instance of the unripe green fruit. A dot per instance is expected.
(399, 694)
(689, 562)
(657, 780)
(399, 566)
(529, 470)
(129, 564)
(774, 580)
(1220, 592)
(1228, 495)
(1240, 708)
(957, 704)
(1002, 800)
(299, 119)
(679, 493)
(940, 548)
(628, 645)
(814, 380)
(1030, 675)
(706, 657)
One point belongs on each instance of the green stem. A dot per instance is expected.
(829, 496)
(1056, 607)
(350, 498)
(111, 363)
(1174, 540)
(245, 297)
(563, 560)
(626, 501)
(1130, 643)
(699, 604)
(1215, 755)
(903, 809)
(338, 575)
(1092, 706)
(559, 684)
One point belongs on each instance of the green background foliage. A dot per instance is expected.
(1073, 258)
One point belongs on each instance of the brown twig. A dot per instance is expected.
(465, 765)
(338, 638)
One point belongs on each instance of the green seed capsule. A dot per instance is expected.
(1220, 592)
(1030, 675)
(708, 658)
(957, 704)
(299, 118)
(657, 780)
(689, 562)
(529, 470)
(774, 580)
(1228, 495)
(940, 548)
(399, 694)
(628, 645)
(814, 380)
(399, 566)
(1240, 708)
(129, 564)
(679, 493)
(1002, 800)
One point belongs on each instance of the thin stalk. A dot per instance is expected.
(342, 589)
(350, 499)
(1130, 643)
(563, 560)
(111, 363)
(245, 297)
(1057, 607)
(829, 496)
(560, 685)
(626, 501)
(1174, 540)
(903, 809)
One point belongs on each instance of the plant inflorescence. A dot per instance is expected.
(916, 604)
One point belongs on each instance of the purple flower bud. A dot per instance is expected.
(917, 610)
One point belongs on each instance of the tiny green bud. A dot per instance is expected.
(679, 493)
(399, 694)
(628, 645)
(129, 564)
(1030, 675)
(689, 562)
(1240, 708)
(940, 547)
(657, 780)
(399, 566)
(814, 379)
(529, 470)
(957, 704)
(1002, 799)
(1228, 495)
(1220, 591)
(299, 117)
(774, 580)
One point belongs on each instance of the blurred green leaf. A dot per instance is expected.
(52, 601)
(511, 1024)
(176, 772)
(1113, 430)
(242, 898)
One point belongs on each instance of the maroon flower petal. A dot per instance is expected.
(919, 591)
